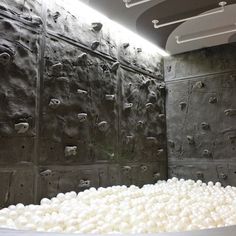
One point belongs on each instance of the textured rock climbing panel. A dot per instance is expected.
(201, 121)
(78, 104)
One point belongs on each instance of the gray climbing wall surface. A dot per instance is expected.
(78, 106)
(201, 114)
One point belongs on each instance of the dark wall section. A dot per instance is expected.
(201, 114)
(78, 107)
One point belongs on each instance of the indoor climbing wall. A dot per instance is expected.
(80, 106)
(201, 114)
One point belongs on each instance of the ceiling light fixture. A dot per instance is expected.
(222, 8)
(128, 3)
(206, 34)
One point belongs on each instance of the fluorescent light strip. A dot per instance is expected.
(221, 4)
(128, 3)
(206, 34)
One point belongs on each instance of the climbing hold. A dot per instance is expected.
(182, 105)
(125, 45)
(145, 84)
(149, 106)
(140, 124)
(190, 140)
(205, 125)
(4, 58)
(82, 117)
(230, 112)
(213, 100)
(82, 92)
(143, 168)
(55, 16)
(129, 139)
(171, 143)
(46, 173)
(127, 106)
(151, 140)
(115, 67)
(200, 175)
(223, 176)
(152, 97)
(84, 183)
(54, 103)
(103, 126)
(199, 85)
(156, 175)
(22, 127)
(56, 69)
(97, 26)
(206, 153)
(161, 116)
(110, 97)
(139, 50)
(160, 151)
(70, 151)
(82, 59)
(36, 21)
(94, 45)
(126, 169)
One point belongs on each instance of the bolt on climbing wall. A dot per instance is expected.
(200, 106)
(79, 105)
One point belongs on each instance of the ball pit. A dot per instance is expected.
(167, 206)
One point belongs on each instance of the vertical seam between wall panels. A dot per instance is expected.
(39, 97)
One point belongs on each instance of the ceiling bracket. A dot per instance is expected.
(129, 4)
(222, 9)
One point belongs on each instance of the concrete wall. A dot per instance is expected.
(201, 114)
(71, 117)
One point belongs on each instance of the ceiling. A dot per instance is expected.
(139, 19)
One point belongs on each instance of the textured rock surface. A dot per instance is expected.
(201, 127)
(63, 125)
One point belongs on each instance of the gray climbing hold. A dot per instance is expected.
(157, 175)
(127, 106)
(161, 116)
(171, 143)
(129, 139)
(126, 169)
(125, 45)
(95, 45)
(110, 97)
(22, 127)
(230, 112)
(139, 50)
(140, 124)
(200, 175)
(54, 103)
(182, 105)
(82, 92)
(206, 153)
(152, 140)
(223, 176)
(205, 126)
(36, 21)
(82, 59)
(213, 100)
(103, 126)
(152, 97)
(190, 140)
(71, 151)
(149, 106)
(84, 183)
(55, 16)
(199, 85)
(82, 117)
(5, 58)
(143, 168)
(115, 67)
(160, 151)
(97, 26)
(56, 69)
(46, 173)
